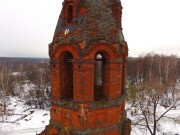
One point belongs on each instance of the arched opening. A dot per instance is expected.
(66, 76)
(69, 14)
(98, 71)
(101, 76)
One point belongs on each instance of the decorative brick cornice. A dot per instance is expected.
(92, 105)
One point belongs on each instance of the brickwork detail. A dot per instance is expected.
(80, 105)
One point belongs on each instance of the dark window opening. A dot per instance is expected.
(66, 76)
(101, 76)
(98, 71)
(69, 14)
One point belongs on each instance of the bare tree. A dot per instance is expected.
(42, 83)
(159, 74)
(5, 82)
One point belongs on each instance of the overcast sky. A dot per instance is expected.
(27, 26)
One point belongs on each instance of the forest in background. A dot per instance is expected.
(16, 73)
(151, 86)
(153, 91)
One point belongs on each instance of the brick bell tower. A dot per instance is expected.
(88, 70)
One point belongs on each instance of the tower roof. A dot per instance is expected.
(89, 20)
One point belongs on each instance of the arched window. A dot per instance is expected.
(98, 71)
(66, 76)
(69, 14)
(101, 76)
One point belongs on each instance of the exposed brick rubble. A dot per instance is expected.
(85, 29)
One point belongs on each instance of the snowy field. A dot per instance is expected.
(25, 121)
(166, 126)
(22, 120)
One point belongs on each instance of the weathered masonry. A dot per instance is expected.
(88, 70)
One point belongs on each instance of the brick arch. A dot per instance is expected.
(110, 71)
(102, 47)
(64, 71)
(61, 48)
(74, 14)
(108, 52)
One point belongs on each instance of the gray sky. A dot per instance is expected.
(27, 26)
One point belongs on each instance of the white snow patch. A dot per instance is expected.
(35, 121)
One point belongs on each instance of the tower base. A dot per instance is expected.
(118, 129)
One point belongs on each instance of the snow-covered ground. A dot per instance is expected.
(34, 120)
(166, 126)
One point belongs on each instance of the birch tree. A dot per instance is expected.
(5, 82)
(159, 77)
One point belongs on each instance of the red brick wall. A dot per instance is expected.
(95, 118)
(83, 74)
(76, 80)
